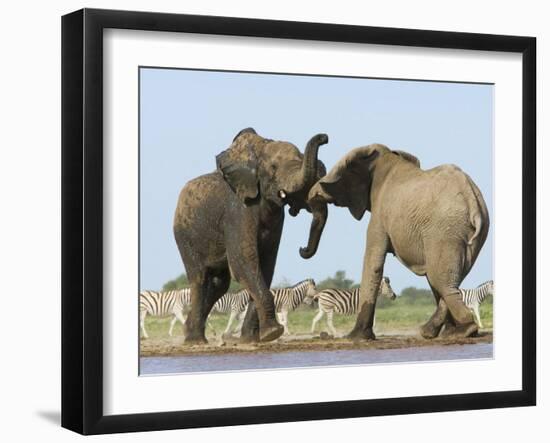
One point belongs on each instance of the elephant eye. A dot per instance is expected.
(282, 194)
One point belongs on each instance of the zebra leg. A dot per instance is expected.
(318, 317)
(476, 313)
(172, 323)
(230, 322)
(330, 324)
(142, 315)
(281, 319)
(240, 323)
(284, 322)
(211, 326)
(178, 315)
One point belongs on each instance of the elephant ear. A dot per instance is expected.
(239, 166)
(409, 157)
(244, 131)
(348, 183)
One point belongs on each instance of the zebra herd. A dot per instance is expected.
(177, 303)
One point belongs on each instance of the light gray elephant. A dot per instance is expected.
(435, 222)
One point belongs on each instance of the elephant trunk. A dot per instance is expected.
(320, 214)
(308, 172)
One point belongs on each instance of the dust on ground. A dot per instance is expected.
(175, 346)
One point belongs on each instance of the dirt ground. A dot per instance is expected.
(217, 345)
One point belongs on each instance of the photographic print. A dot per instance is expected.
(252, 208)
(296, 221)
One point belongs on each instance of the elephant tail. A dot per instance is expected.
(477, 223)
(479, 217)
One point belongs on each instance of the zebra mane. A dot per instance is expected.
(307, 280)
(487, 283)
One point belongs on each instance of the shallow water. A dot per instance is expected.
(239, 362)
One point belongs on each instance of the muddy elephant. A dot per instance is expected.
(434, 221)
(228, 224)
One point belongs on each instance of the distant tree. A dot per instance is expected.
(339, 281)
(282, 283)
(178, 283)
(412, 295)
(182, 282)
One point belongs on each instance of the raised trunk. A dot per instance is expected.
(307, 174)
(309, 165)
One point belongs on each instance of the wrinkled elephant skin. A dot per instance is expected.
(228, 224)
(434, 221)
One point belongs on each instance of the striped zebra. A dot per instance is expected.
(288, 299)
(342, 301)
(234, 303)
(472, 298)
(162, 304)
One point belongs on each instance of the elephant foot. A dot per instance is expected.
(460, 331)
(271, 332)
(361, 335)
(429, 330)
(195, 339)
(249, 336)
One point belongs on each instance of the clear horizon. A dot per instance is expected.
(189, 116)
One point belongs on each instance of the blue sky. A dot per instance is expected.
(187, 117)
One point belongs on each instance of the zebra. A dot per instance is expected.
(164, 303)
(235, 303)
(472, 298)
(288, 299)
(344, 301)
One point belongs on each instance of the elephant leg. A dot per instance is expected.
(257, 326)
(318, 317)
(259, 323)
(445, 277)
(205, 292)
(194, 326)
(440, 317)
(373, 267)
(219, 286)
(142, 315)
(250, 332)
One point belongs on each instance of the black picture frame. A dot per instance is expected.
(82, 220)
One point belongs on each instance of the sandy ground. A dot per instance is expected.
(174, 346)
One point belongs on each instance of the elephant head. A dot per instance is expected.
(349, 183)
(276, 171)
